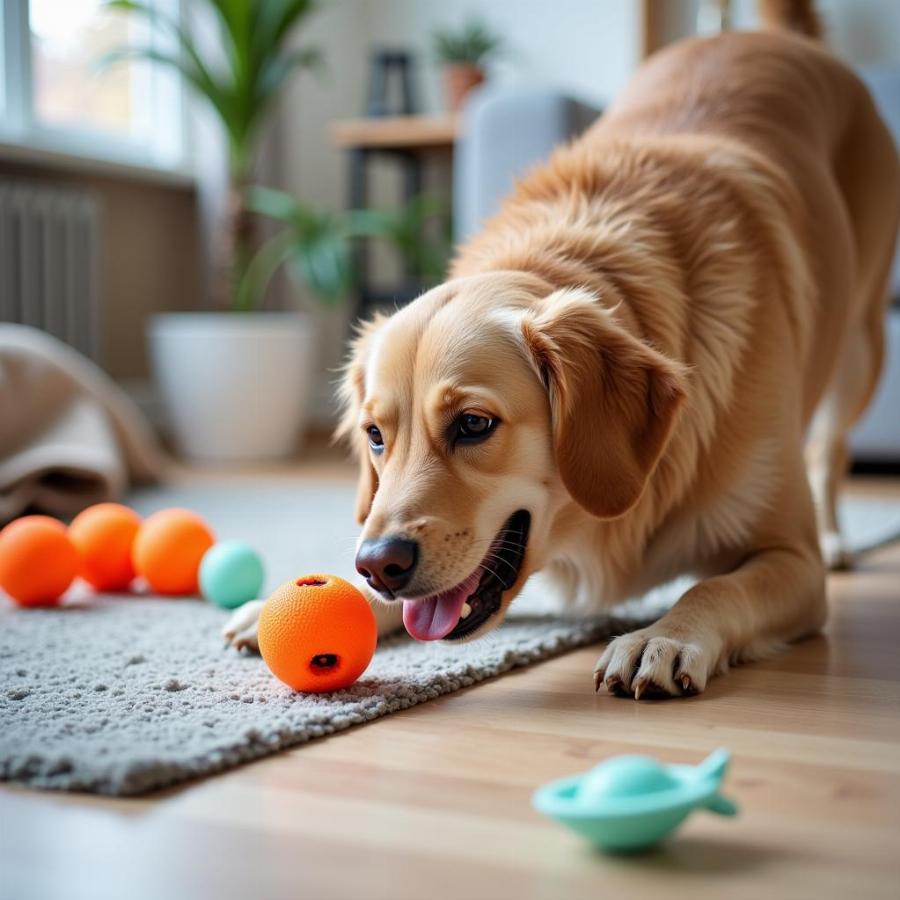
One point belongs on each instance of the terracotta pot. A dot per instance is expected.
(459, 79)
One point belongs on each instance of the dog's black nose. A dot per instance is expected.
(387, 564)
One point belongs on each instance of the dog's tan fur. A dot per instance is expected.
(656, 317)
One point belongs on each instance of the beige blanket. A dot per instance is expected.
(69, 437)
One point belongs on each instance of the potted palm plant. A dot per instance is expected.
(234, 381)
(464, 53)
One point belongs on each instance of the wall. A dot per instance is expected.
(149, 259)
(585, 47)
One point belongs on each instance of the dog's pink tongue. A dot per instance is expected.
(433, 618)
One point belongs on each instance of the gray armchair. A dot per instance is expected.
(505, 131)
(877, 436)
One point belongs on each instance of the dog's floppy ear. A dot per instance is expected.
(614, 400)
(351, 391)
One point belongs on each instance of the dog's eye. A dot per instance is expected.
(470, 427)
(376, 441)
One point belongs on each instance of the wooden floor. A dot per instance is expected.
(434, 802)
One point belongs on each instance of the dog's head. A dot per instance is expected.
(480, 412)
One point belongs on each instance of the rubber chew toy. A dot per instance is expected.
(168, 548)
(38, 561)
(231, 573)
(103, 535)
(632, 802)
(317, 633)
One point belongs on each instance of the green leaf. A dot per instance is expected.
(325, 263)
(369, 223)
(262, 268)
(159, 19)
(472, 44)
(198, 78)
(274, 22)
(276, 71)
(273, 203)
(315, 246)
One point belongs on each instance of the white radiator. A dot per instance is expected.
(48, 261)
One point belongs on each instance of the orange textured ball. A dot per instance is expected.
(168, 548)
(38, 560)
(317, 633)
(104, 535)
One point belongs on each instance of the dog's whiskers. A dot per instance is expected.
(494, 558)
(511, 545)
(490, 571)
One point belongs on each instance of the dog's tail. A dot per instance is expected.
(791, 15)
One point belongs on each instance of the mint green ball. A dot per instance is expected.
(231, 573)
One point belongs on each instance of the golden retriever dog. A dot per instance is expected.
(618, 380)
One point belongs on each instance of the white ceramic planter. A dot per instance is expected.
(235, 386)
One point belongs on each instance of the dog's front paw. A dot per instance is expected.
(240, 630)
(649, 663)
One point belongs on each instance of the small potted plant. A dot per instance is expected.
(234, 380)
(464, 53)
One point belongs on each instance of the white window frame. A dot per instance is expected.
(167, 151)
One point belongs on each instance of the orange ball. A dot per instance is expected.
(103, 535)
(168, 548)
(317, 633)
(38, 560)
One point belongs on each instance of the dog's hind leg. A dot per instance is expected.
(868, 178)
(827, 456)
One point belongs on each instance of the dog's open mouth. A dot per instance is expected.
(462, 610)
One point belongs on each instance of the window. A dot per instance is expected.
(53, 94)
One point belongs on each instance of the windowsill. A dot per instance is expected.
(54, 158)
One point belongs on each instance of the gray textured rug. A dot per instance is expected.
(125, 695)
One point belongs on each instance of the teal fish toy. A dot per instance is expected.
(632, 802)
